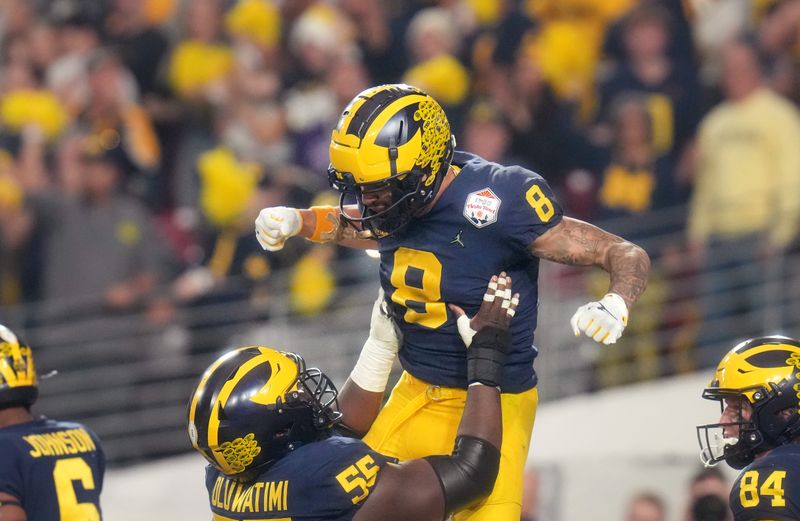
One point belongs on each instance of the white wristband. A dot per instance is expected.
(371, 372)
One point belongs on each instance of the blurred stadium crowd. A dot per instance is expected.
(139, 138)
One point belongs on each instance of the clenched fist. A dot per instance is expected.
(276, 224)
(603, 321)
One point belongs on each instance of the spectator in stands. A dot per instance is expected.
(541, 129)
(708, 495)
(568, 44)
(78, 42)
(200, 63)
(680, 45)
(434, 41)
(709, 480)
(140, 45)
(43, 44)
(635, 180)
(100, 249)
(709, 508)
(744, 211)
(115, 118)
(377, 38)
(646, 506)
(320, 41)
(486, 132)
(254, 27)
(639, 197)
(668, 85)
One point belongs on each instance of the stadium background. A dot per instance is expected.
(139, 138)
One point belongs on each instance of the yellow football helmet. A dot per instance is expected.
(766, 373)
(390, 137)
(255, 404)
(18, 383)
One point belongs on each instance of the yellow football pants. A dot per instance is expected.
(421, 420)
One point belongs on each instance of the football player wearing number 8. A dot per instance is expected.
(758, 386)
(265, 423)
(49, 470)
(444, 222)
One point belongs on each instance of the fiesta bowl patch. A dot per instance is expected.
(481, 207)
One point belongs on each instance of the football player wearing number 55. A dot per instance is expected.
(267, 425)
(444, 222)
(48, 469)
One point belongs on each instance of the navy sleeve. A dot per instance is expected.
(532, 207)
(10, 470)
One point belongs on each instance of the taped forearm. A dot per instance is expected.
(319, 223)
(486, 356)
(324, 224)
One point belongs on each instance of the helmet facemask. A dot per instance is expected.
(409, 194)
(771, 424)
(716, 447)
(318, 392)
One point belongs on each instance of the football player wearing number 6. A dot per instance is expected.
(758, 386)
(49, 470)
(444, 222)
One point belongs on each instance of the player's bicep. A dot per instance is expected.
(11, 508)
(574, 242)
(407, 491)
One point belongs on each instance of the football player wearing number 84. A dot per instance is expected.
(758, 386)
(48, 469)
(444, 222)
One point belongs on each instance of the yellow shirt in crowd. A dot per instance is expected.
(195, 65)
(748, 171)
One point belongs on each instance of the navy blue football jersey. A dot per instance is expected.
(481, 225)
(54, 468)
(326, 480)
(769, 488)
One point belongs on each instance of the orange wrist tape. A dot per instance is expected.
(324, 226)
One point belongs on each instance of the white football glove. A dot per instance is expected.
(276, 224)
(374, 364)
(603, 321)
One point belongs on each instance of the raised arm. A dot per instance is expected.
(276, 224)
(362, 395)
(578, 243)
(431, 488)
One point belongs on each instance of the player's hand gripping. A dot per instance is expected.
(497, 309)
(276, 224)
(603, 321)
